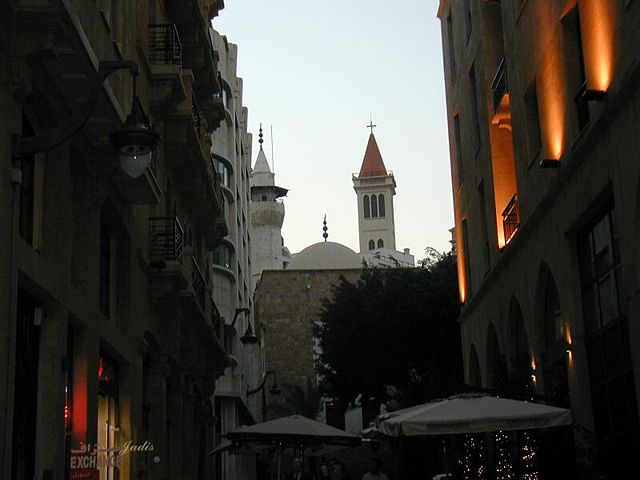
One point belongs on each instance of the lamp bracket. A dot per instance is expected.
(52, 138)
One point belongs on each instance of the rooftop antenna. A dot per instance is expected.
(273, 159)
(324, 228)
(371, 125)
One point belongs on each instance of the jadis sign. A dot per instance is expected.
(88, 459)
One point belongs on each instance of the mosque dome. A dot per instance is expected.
(326, 256)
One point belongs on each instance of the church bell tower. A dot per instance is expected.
(375, 188)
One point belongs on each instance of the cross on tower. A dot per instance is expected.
(371, 125)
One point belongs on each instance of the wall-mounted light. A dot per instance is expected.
(549, 163)
(135, 140)
(274, 390)
(249, 336)
(594, 95)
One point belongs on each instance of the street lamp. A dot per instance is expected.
(249, 337)
(274, 390)
(135, 141)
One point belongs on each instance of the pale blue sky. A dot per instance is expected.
(314, 70)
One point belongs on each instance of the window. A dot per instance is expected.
(366, 207)
(372, 244)
(458, 140)
(484, 231)
(466, 257)
(532, 119)
(222, 256)
(608, 352)
(474, 107)
(381, 205)
(467, 19)
(374, 206)
(574, 60)
(380, 243)
(452, 52)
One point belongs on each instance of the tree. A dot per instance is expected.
(393, 335)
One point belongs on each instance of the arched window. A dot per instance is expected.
(374, 206)
(372, 245)
(365, 202)
(381, 205)
(380, 243)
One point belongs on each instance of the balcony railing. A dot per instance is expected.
(510, 219)
(164, 45)
(165, 239)
(195, 113)
(499, 86)
(198, 283)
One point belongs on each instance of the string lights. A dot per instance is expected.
(473, 464)
(529, 471)
(504, 468)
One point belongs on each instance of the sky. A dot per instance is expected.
(314, 72)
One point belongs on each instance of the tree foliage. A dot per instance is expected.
(393, 335)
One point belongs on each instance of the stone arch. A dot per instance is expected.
(521, 372)
(551, 338)
(366, 206)
(496, 364)
(474, 377)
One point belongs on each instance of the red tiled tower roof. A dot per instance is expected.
(372, 164)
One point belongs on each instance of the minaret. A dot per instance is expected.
(267, 215)
(375, 188)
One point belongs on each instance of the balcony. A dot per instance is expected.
(193, 18)
(214, 111)
(500, 96)
(510, 219)
(165, 257)
(165, 58)
(164, 45)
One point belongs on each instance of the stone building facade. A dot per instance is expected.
(287, 304)
(108, 329)
(542, 105)
(232, 267)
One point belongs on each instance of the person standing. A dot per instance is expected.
(374, 472)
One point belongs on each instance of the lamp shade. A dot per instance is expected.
(135, 141)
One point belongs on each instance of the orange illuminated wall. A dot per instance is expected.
(551, 96)
(504, 174)
(597, 22)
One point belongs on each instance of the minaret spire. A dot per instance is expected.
(260, 136)
(324, 228)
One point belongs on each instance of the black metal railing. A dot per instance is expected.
(166, 239)
(499, 86)
(164, 45)
(197, 282)
(195, 113)
(510, 219)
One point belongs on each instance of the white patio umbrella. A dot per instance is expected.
(474, 413)
(297, 432)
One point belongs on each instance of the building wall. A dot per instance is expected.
(90, 231)
(287, 303)
(500, 143)
(231, 147)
